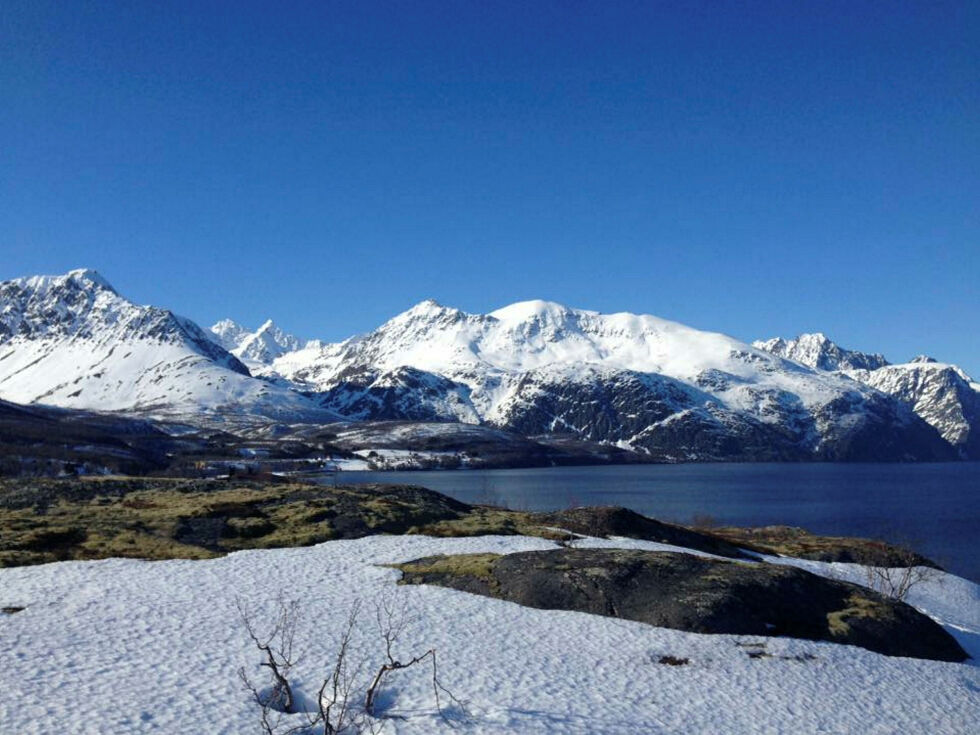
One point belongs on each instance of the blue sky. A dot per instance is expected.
(754, 168)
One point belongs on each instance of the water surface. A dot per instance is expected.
(936, 507)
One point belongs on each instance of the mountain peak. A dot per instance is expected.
(522, 311)
(91, 276)
(223, 325)
(818, 351)
(427, 310)
(76, 323)
(228, 333)
(426, 306)
(85, 279)
(263, 345)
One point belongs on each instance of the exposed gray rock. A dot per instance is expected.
(617, 521)
(701, 595)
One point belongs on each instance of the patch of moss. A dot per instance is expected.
(248, 527)
(491, 521)
(134, 544)
(52, 520)
(82, 519)
(801, 544)
(457, 565)
(857, 607)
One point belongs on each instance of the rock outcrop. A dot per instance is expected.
(696, 594)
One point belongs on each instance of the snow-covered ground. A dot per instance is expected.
(122, 646)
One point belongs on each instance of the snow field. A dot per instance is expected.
(122, 646)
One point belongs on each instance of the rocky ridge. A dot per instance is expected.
(941, 394)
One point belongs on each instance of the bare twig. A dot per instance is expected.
(276, 646)
(390, 626)
(333, 699)
(336, 712)
(903, 573)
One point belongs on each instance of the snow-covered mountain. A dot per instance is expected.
(260, 347)
(533, 368)
(229, 334)
(634, 380)
(941, 394)
(73, 341)
(817, 351)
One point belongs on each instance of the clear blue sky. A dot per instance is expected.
(754, 168)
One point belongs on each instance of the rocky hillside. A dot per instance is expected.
(647, 384)
(817, 351)
(643, 385)
(73, 341)
(941, 394)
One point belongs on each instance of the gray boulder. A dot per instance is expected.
(696, 594)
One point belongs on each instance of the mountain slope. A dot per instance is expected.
(44, 440)
(639, 381)
(941, 394)
(73, 341)
(260, 347)
(229, 334)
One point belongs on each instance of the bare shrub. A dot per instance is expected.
(896, 582)
(337, 710)
(334, 711)
(276, 645)
(391, 623)
(894, 571)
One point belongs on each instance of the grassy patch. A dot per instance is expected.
(486, 520)
(473, 572)
(798, 543)
(457, 565)
(482, 520)
(53, 520)
(159, 519)
(857, 607)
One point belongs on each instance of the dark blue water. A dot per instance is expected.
(933, 507)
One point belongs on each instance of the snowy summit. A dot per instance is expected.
(655, 388)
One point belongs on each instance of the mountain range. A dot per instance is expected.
(651, 389)
(260, 347)
(940, 393)
(72, 341)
